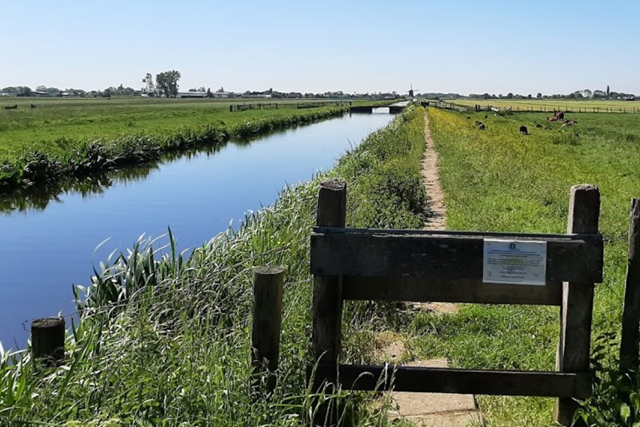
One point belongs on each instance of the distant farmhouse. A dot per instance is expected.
(191, 94)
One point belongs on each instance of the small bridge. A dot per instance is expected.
(393, 108)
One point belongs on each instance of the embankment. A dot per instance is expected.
(43, 167)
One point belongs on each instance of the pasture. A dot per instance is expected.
(552, 104)
(501, 180)
(57, 124)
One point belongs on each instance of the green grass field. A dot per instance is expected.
(554, 104)
(63, 140)
(57, 124)
(500, 180)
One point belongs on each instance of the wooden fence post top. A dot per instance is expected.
(264, 270)
(47, 340)
(584, 209)
(47, 322)
(333, 185)
(332, 204)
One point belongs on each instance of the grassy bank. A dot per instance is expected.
(29, 158)
(168, 342)
(501, 180)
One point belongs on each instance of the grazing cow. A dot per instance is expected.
(11, 107)
(569, 123)
(524, 130)
(480, 125)
(559, 115)
(486, 116)
(539, 125)
(33, 105)
(552, 119)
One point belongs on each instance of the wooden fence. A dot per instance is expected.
(445, 106)
(545, 109)
(432, 266)
(448, 266)
(275, 105)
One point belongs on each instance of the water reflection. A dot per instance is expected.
(38, 197)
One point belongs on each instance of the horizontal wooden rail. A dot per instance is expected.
(443, 256)
(445, 380)
(464, 291)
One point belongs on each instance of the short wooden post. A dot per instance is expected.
(577, 300)
(268, 283)
(47, 340)
(327, 291)
(631, 311)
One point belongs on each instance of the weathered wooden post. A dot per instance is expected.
(327, 292)
(327, 297)
(268, 283)
(47, 340)
(577, 300)
(631, 311)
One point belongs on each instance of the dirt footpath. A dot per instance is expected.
(431, 409)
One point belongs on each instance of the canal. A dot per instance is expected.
(47, 248)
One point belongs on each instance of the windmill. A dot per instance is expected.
(411, 91)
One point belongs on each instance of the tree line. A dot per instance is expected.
(578, 94)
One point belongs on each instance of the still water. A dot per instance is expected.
(46, 249)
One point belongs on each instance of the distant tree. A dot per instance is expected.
(209, 94)
(167, 82)
(149, 88)
(529, 96)
(539, 95)
(220, 90)
(598, 94)
(608, 92)
(587, 93)
(510, 95)
(24, 91)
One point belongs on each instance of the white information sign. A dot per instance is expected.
(522, 262)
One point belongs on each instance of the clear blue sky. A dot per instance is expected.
(444, 46)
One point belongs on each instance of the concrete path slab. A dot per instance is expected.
(435, 409)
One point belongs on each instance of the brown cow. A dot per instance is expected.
(480, 125)
(552, 119)
(559, 115)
